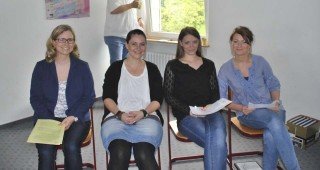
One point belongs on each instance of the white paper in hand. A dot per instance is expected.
(268, 106)
(212, 108)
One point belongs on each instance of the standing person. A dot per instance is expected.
(251, 80)
(190, 80)
(62, 89)
(121, 17)
(132, 95)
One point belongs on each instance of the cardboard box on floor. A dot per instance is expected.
(303, 126)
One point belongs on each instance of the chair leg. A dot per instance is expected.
(229, 139)
(159, 159)
(169, 140)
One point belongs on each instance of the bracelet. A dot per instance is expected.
(145, 113)
(119, 114)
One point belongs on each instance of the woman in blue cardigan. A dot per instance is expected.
(62, 89)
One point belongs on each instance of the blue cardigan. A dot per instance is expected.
(80, 93)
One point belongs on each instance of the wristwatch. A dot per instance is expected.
(75, 119)
(145, 113)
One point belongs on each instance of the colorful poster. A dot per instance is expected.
(60, 9)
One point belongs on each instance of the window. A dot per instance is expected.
(167, 17)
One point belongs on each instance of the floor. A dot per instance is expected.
(16, 154)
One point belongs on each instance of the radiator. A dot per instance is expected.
(160, 59)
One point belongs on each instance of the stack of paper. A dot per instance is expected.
(267, 106)
(212, 108)
(47, 131)
(248, 166)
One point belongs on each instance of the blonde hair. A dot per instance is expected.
(51, 51)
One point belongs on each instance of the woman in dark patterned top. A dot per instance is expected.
(190, 80)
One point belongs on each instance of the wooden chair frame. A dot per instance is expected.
(172, 126)
(243, 130)
(89, 139)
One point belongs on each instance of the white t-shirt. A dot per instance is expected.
(133, 91)
(120, 24)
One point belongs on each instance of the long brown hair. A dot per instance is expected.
(188, 31)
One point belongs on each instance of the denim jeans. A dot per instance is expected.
(117, 48)
(71, 146)
(210, 133)
(276, 139)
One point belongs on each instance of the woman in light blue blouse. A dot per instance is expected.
(251, 79)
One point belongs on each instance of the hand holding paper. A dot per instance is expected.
(212, 108)
(47, 131)
(268, 106)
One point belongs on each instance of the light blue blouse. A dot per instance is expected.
(255, 90)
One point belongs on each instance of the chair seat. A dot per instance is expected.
(87, 141)
(177, 134)
(245, 130)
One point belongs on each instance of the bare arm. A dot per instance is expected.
(112, 107)
(275, 95)
(138, 115)
(123, 8)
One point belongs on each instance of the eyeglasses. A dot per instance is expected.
(64, 40)
(239, 43)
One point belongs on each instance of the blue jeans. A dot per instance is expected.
(276, 139)
(117, 48)
(210, 133)
(71, 145)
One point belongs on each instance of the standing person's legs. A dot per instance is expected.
(209, 133)
(120, 153)
(47, 156)
(71, 144)
(144, 156)
(117, 49)
(274, 124)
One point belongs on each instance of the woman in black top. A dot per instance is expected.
(190, 80)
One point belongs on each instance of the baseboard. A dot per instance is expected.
(16, 122)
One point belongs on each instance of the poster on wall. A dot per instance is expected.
(61, 9)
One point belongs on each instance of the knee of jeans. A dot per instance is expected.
(70, 148)
(275, 123)
(48, 155)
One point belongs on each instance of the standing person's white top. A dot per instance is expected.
(120, 24)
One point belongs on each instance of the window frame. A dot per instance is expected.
(170, 36)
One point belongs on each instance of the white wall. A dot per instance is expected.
(286, 32)
(24, 31)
